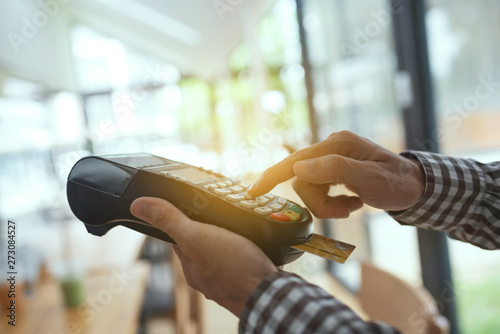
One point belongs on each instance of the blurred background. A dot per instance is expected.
(235, 86)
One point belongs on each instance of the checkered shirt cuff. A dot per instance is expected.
(462, 198)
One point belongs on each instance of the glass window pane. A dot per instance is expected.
(353, 68)
(464, 52)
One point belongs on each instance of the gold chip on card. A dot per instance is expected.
(328, 248)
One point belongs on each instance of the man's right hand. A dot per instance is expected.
(380, 178)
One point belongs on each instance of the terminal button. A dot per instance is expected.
(280, 216)
(222, 191)
(276, 207)
(281, 201)
(263, 210)
(211, 186)
(249, 204)
(235, 197)
(294, 216)
(296, 208)
(247, 196)
(236, 189)
(262, 200)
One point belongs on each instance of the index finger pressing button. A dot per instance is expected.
(283, 170)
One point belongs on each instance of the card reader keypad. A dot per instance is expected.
(277, 208)
(234, 191)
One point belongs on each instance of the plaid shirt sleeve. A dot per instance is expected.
(285, 303)
(462, 198)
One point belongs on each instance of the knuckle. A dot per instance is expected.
(296, 156)
(344, 134)
(333, 161)
(160, 217)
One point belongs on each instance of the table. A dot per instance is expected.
(113, 299)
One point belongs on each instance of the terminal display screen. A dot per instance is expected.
(193, 174)
(140, 160)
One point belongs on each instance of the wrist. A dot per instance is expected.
(247, 288)
(418, 182)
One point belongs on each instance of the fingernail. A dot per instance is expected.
(254, 185)
(304, 167)
(138, 208)
(249, 190)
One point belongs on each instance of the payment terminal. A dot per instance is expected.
(100, 190)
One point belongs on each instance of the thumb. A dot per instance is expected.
(163, 215)
(331, 168)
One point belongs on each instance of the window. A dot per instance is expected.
(464, 55)
(353, 68)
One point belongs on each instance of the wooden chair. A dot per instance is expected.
(387, 298)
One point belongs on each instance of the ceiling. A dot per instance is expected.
(194, 35)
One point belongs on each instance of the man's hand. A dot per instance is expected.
(379, 177)
(222, 265)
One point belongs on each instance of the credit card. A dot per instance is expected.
(328, 248)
